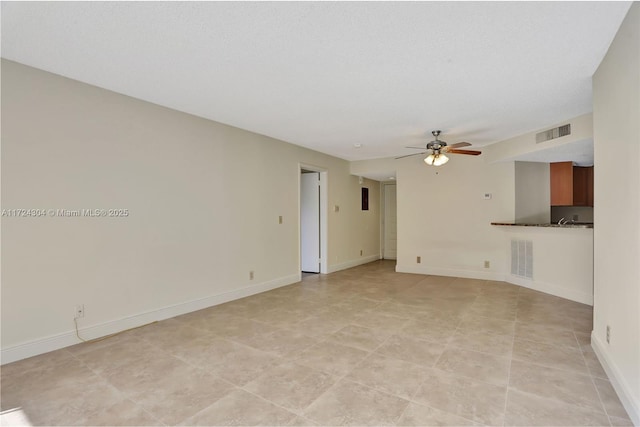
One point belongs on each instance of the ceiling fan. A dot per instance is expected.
(438, 149)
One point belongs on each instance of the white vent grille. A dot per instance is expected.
(554, 133)
(522, 258)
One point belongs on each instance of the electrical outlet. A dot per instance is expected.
(487, 264)
(360, 252)
(608, 334)
(418, 260)
(280, 219)
(251, 275)
(79, 312)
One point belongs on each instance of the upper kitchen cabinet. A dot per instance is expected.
(571, 185)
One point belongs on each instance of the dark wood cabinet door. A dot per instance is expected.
(561, 175)
(590, 186)
(580, 177)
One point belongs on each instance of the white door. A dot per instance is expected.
(310, 222)
(390, 223)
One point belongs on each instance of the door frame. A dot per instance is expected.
(324, 209)
(383, 215)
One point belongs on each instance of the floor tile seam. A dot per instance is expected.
(417, 402)
(451, 344)
(375, 352)
(466, 331)
(206, 407)
(207, 371)
(550, 326)
(386, 393)
(186, 362)
(593, 381)
(541, 365)
(495, 384)
(124, 396)
(560, 402)
(506, 397)
(470, 314)
(552, 367)
(413, 400)
(548, 343)
(334, 385)
(106, 381)
(375, 388)
(456, 346)
(295, 412)
(242, 344)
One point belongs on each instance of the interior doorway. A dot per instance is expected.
(313, 224)
(389, 222)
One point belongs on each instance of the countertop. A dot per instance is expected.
(524, 224)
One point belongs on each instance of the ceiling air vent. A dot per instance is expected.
(554, 133)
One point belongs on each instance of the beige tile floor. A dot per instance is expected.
(365, 346)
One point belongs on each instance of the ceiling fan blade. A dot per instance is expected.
(409, 155)
(417, 148)
(470, 152)
(459, 145)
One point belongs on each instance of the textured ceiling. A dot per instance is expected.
(329, 75)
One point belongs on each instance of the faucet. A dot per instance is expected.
(564, 221)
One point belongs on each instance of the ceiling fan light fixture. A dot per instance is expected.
(436, 159)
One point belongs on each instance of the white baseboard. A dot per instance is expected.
(618, 381)
(449, 272)
(548, 288)
(55, 342)
(353, 263)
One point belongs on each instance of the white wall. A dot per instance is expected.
(204, 200)
(444, 219)
(616, 123)
(533, 192)
(562, 260)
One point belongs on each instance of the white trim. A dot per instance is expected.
(618, 381)
(55, 342)
(449, 272)
(551, 289)
(353, 263)
(547, 288)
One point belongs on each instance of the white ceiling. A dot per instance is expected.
(329, 75)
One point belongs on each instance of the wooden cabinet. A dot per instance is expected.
(571, 185)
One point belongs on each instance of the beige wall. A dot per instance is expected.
(616, 125)
(562, 261)
(204, 201)
(533, 192)
(444, 218)
(514, 148)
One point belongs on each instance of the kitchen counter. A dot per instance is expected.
(547, 225)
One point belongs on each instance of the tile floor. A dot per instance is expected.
(365, 346)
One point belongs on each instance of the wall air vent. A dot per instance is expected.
(554, 133)
(522, 258)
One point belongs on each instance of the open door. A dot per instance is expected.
(310, 221)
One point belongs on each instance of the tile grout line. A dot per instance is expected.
(120, 392)
(604, 407)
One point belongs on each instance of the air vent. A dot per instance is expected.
(522, 258)
(554, 133)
